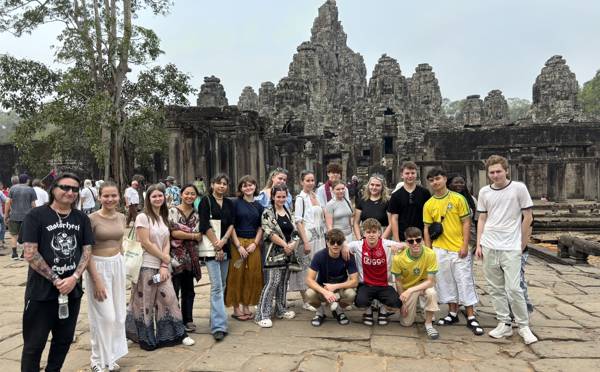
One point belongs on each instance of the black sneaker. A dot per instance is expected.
(14, 255)
(219, 335)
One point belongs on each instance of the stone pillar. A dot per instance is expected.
(557, 182)
(262, 178)
(590, 181)
(253, 156)
(174, 159)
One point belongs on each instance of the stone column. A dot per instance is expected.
(590, 181)
(174, 156)
(557, 182)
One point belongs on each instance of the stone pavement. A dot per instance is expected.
(566, 320)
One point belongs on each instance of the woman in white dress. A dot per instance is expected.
(310, 223)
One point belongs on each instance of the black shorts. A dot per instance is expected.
(365, 294)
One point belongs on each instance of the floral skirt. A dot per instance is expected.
(153, 317)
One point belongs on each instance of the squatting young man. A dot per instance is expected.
(415, 269)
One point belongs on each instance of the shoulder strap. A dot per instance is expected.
(91, 192)
(349, 205)
(303, 205)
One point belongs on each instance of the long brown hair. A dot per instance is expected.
(163, 212)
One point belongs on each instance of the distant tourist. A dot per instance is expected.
(132, 201)
(199, 183)
(332, 280)
(504, 229)
(154, 318)
(105, 278)
(406, 203)
(21, 199)
(88, 197)
(415, 269)
(245, 276)
(173, 192)
(184, 223)
(279, 228)
(278, 176)
(3, 199)
(57, 240)
(447, 216)
(310, 223)
(338, 210)
(373, 203)
(325, 191)
(40, 192)
(216, 222)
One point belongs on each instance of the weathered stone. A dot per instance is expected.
(272, 363)
(402, 365)
(318, 363)
(361, 363)
(565, 349)
(248, 100)
(471, 114)
(495, 109)
(393, 346)
(561, 334)
(566, 365)
(212, 93)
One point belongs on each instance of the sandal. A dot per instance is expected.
(448, 320)
(382, 319)
(368, 319)
(432, 333)
(473, 324)
(317, 320)
(342, 319)
(241, 317)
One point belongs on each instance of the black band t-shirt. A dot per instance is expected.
(409, 207)
(60, 242)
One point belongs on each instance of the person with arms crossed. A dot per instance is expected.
(504, 228)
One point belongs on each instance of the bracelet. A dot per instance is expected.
(164, 265)
(76, 275)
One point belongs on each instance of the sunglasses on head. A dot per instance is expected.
(66, 188)
(336, 242)
(413, 241)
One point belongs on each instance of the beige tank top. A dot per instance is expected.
(108, 231)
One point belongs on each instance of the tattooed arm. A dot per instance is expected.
(66, 285)
(37, 262)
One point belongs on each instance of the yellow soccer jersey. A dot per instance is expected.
(414, 270)
(454, 208)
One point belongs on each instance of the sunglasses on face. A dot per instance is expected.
(413, 241)
(65, 188)
(336, 242)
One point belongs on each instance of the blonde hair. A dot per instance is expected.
(273, 173)
(496, 159)
(385, 192)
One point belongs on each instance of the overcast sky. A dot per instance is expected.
(474, 46)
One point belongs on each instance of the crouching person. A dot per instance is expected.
(332, 280)
(373, 257)
(415, 269)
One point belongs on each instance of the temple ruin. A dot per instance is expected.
(325, 110)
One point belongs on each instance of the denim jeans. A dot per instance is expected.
(2, 229)
(217, 272)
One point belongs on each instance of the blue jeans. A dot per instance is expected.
(2, 228)
(217, 272)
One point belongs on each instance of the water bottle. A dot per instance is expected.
(63, 306)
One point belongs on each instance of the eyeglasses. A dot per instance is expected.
(336, 242)
(413, 241)
(65, 188)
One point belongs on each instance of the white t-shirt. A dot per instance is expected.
(502, 229)
(42, 196)
(159, 235)
(132, 195)
(88, 195)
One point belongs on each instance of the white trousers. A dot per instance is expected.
(454, 279)
(107, 318)
(502, 270)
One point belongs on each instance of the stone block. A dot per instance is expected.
(562, 334)
(318, 363)
(272, 363)
(361, 363)
(566, 365)
(430, 365)
(566, 349)
(392, 346)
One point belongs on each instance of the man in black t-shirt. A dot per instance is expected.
(331, 279)
(57, 241)
(406, 203)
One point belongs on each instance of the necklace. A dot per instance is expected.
(60, 219)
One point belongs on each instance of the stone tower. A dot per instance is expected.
(471, 114)
(212, 93)
(495, 109)
(425, 96)
(248, 100)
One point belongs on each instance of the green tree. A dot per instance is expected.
(589, 96)
(452, 108)
(92, 102)
(517, 108)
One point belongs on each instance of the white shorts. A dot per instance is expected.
(454, 279)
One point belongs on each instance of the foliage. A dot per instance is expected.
(517, 108)
(589, 96)
(452, 108)
(8, 123)
(106, 118)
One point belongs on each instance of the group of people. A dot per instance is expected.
(384, 254)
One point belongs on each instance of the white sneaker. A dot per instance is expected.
(115, 367)
(288, 315)
(265, 323)
(502, 330)
(309, 307)
(527, 335)
(188, 341)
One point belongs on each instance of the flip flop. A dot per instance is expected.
(241, 318)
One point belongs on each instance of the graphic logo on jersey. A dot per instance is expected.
(416, 271)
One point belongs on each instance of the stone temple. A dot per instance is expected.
(325, 110)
